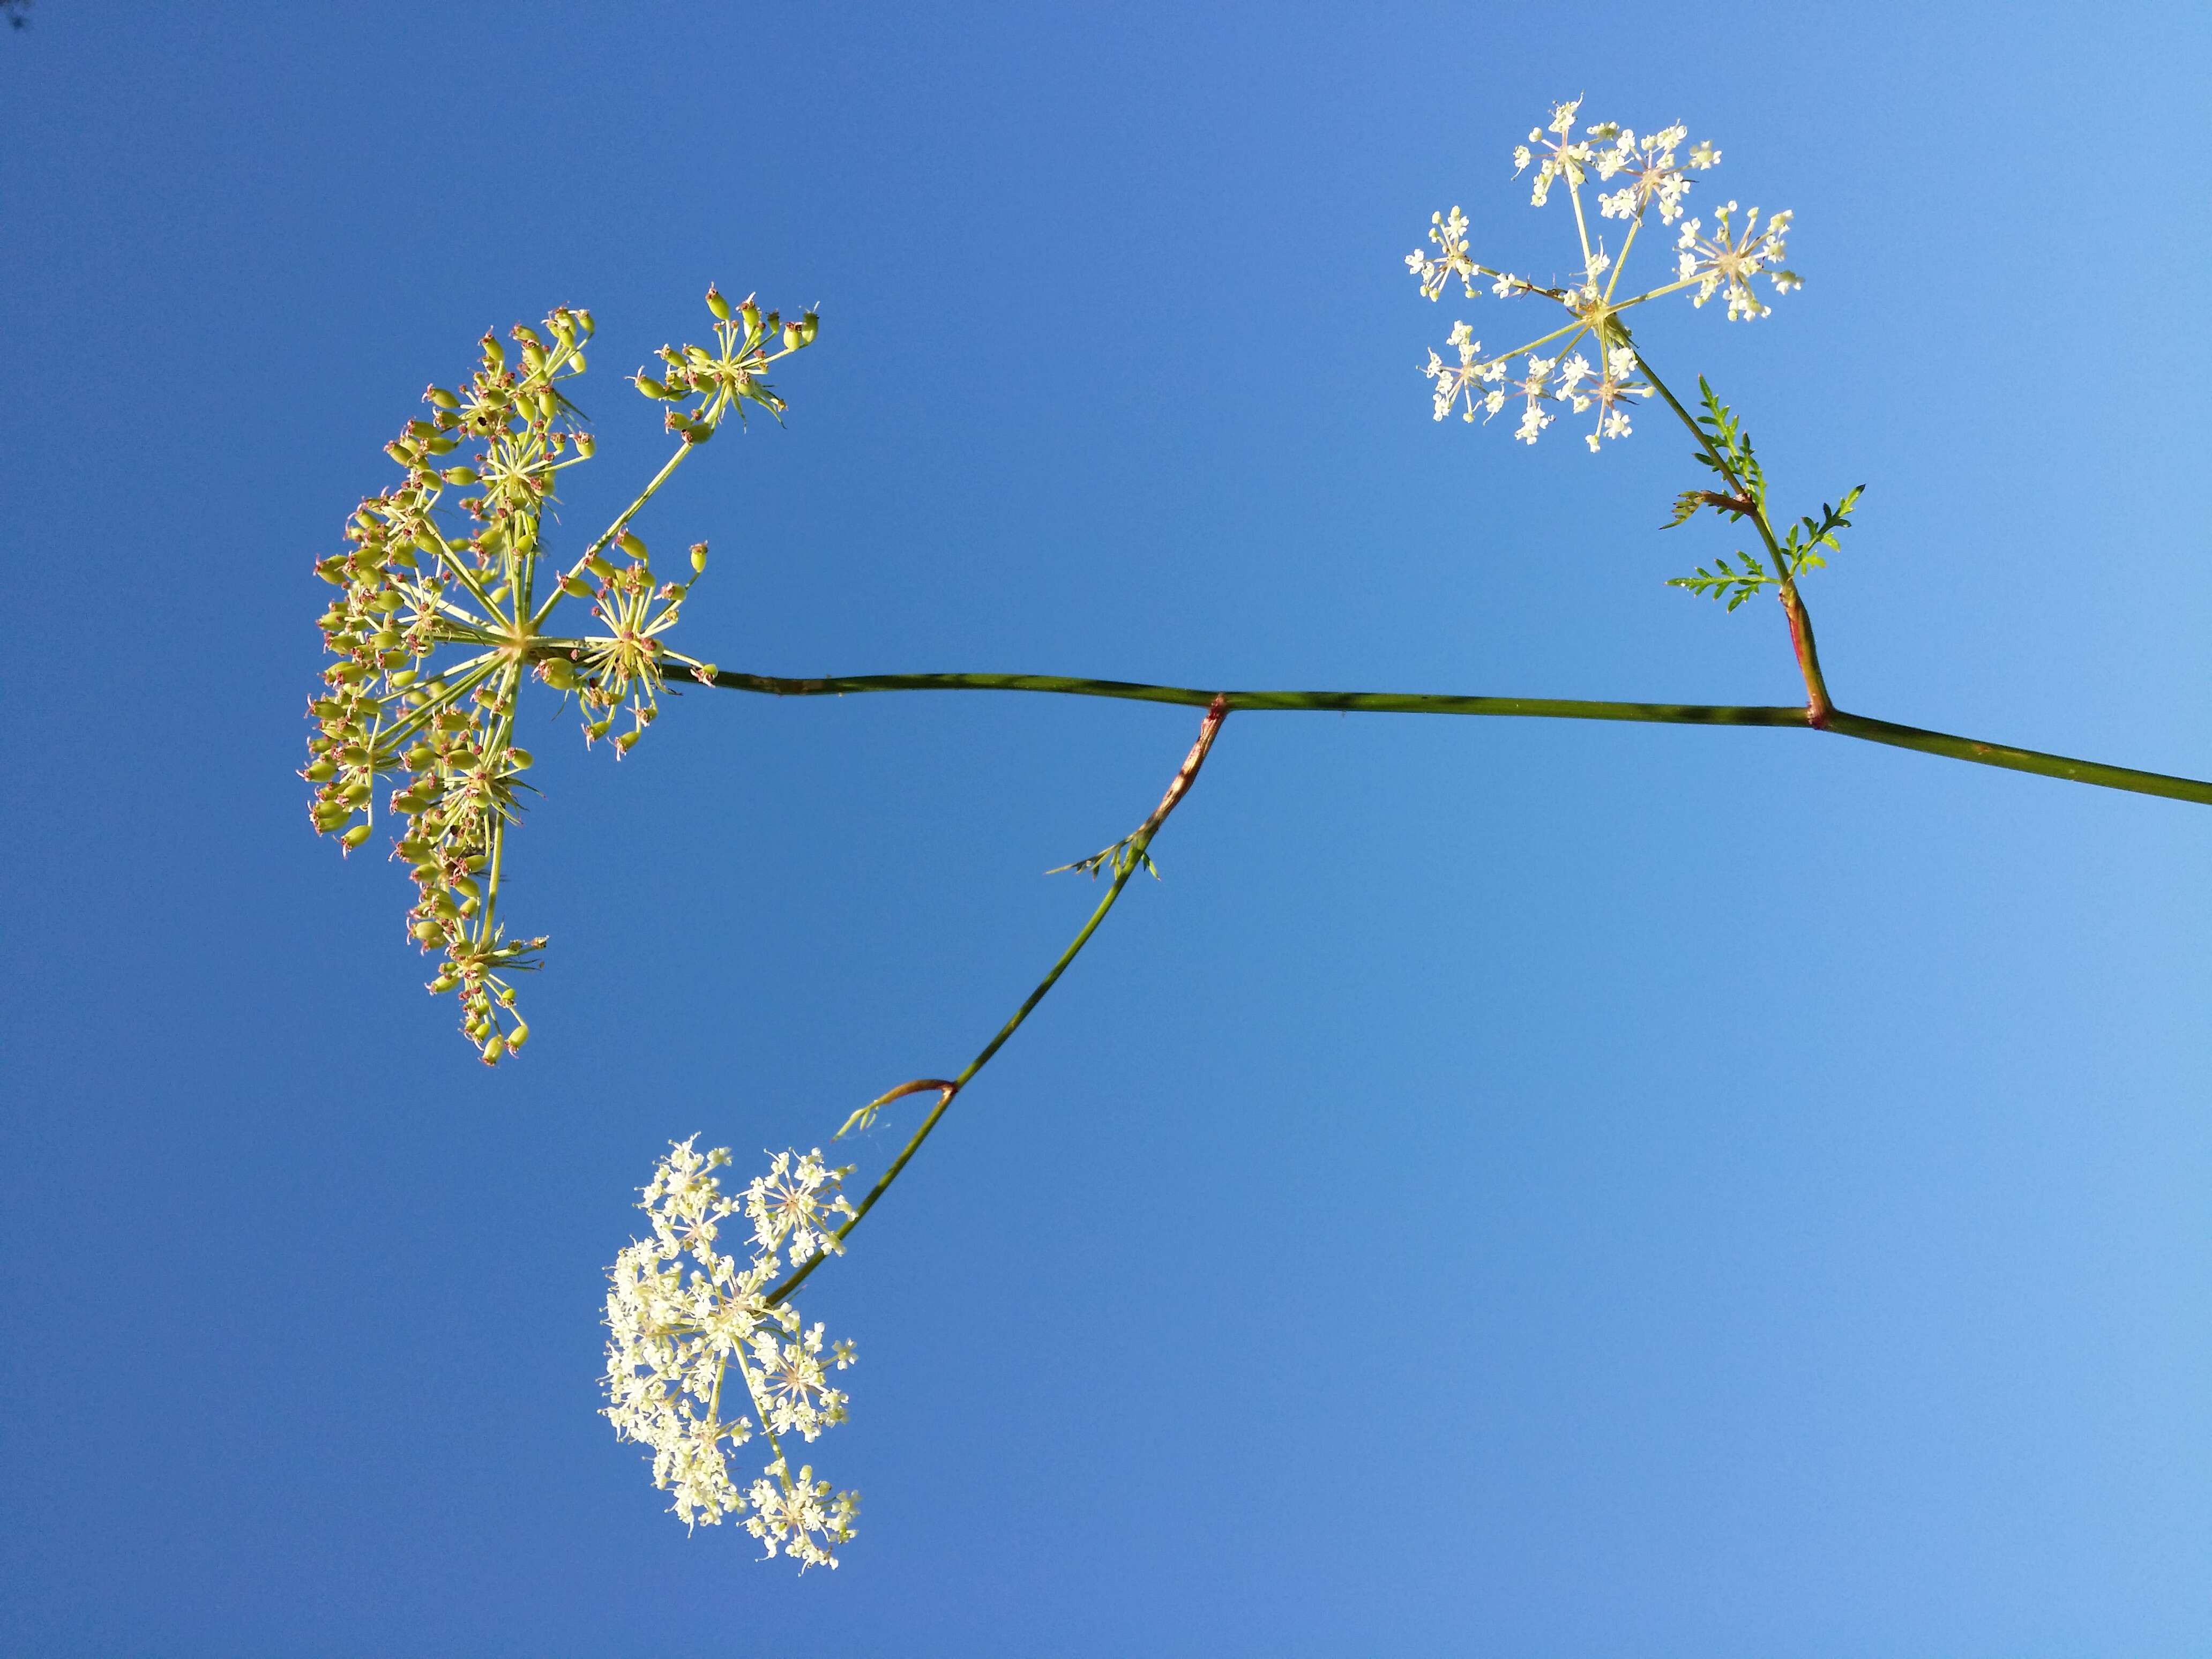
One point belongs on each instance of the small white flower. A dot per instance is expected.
(1449, 235)
(800, 1517)
(792, 1204)
(1559, 156)
(1727, 261)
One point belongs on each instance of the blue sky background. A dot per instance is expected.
(1514, 1188)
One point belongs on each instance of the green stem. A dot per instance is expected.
(1126, 864)
(1820, 707)
(1385, 703)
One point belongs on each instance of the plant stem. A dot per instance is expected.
(1126, 861)
(1819, 709)
(1390, 702)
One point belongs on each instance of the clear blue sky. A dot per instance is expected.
(1513, 1188)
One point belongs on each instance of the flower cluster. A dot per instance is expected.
(444, 609)
(1649, 174)
(689, 1321)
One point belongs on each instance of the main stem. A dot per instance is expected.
(1128, 855)
(1944, 743)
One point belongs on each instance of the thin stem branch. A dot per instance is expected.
(1951, 747)
(1125, 865)
(1820, 707)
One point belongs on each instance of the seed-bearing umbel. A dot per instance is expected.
(445, 611)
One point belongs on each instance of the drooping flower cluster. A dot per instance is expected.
(690, 1324)
(1649, 175)
(444, 611)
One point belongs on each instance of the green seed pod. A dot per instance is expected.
(494, 1047)
(575, 587)
(355, 836)
(460, 475)
(332, 569)
(558, 672)
(599, 566)
(426, 930)
(428, 871)
(808, 326)
(521, 760)
(631, 543)
(443, 984)
(717, 304)
(584, 321)
(751, 314)
(495, 354)
(321, 771)
(650, 387)
(533, 358)
(441, 398)
(586, 444)
(577, 359)
(401, 678)
(791, 340)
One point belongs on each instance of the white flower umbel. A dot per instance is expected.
(1646, 174)
(690, 1324)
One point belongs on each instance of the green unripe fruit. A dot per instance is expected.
(460, 475)
(495, 354)
(519, 1036)
(698, 558)
(521, 759)
(750, 313)
(717, 304)
(427, 932)
(576, 587)
(322, 771)
(808, 326)
(440, 397)
(631, 544)
(650, 387)
(600, 566)
(492, 1048)
(791, 340)
(355, 836)
(558, 672)
(586, 443)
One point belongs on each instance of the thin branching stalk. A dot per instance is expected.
(1125, 857)
(2096, 773)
